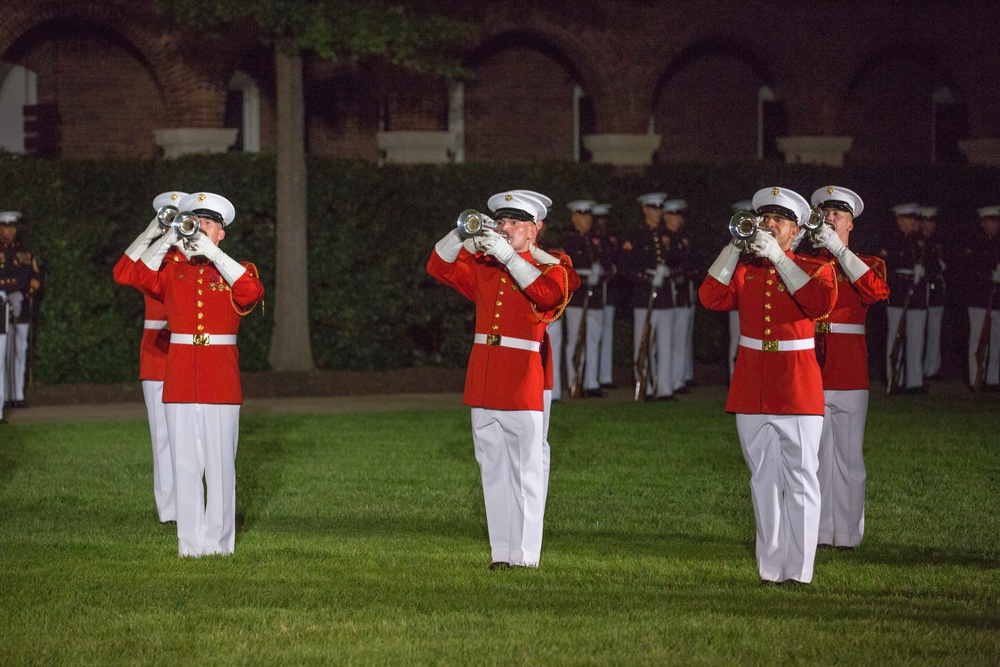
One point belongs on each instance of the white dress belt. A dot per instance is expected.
(154, 324)
(507, 341)
(202, 339)
(840, 328)
(771, 345)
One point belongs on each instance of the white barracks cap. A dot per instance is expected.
(907, 209)
(989, 212)
(842, 199)
(783, 202)
(581, 205)
(519, 205)
(208, 205)
(167, 199)
(928, 212)
(674, 206)
(601, 209)
(654, 199)
(9, 217)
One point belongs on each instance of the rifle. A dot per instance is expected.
(576, 388)
(643, 367)
(983, 348)
(898, 346)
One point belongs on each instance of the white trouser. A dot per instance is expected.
(913, 363)
(660, 347)
(734, 338)
(842, 468)
(689, 363)
(590, 360)
(977, 319)
(17, 360)
(679, 336)
(163, 466)
(932, 349)
(606, 374)
(781, 452)
(555, 331)
(508, 447)
(203, 439)
(546, 449)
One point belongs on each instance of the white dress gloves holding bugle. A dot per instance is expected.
(143, 240)
(766, 246)
(199, 244)
(497, 246)
(826, 237)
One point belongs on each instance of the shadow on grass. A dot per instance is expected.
(260, 463)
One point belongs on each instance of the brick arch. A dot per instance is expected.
(155, 43)
(559, 43)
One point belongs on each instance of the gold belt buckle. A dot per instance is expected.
(769, 345)
(824, 327)
(493, 339)
(201, 339)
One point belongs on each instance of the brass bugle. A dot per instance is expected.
(473, 223)
(186, 224)
(165, 216)
(743, 225)
(817, 218)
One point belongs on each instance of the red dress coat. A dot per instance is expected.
(779, 382)
(499, 377)
(843, 357)
(199, 301)
(155, 341)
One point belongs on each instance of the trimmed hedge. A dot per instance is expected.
(371, 230)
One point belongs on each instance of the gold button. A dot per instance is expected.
(201, 270)
(201, 327)
(496, 314)
(201, 316)
(767, 318)
(767, 332)
(771, 270)
(200, 304)
(499, 303)
(770, 282)
(781, 288)
(496, 326)
(501, 292)
(768, 306)
(200, 281)
(199, 294)
(503, 280)
(768, 293)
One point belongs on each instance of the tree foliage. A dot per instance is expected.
(337, 31)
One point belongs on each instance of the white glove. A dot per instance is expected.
(142, 241)
(996, 274)
(153, 256)
(449, 246)
(766, 246)
(497, 246)
(853, 266)
(595, 274)
(3, 296)
(827, 237)
(661, 273)
(724, 265)
(470, 246)
(918, 273)
(199, 245)
(16, 299)
(541, 256)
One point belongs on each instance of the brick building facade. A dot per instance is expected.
(626, 82)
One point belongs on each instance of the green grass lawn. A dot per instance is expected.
(365, 543)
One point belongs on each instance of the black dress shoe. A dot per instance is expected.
(609, 386)
(824, 545)
(682, 390)
(595, 393)
(795, 583)
(21, 404)
(767, 583)
(499, 565)
(671, 397)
